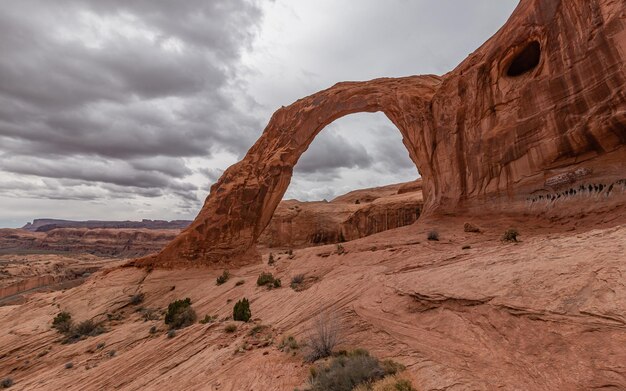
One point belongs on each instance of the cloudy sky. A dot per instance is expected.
(124, 109)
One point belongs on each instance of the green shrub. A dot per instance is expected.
(241, 310)
(265, 279)
(208, 319)
(171, 334)
(230, 328)
(345, 372)
(87, 328)
(271, 260)
(223, 278)
(277, 283)
(296, 281)
(137, 299)
(288, 344)
(433, 235)
(153, 330)
(180, 314)
(62, 322)
(510, 235)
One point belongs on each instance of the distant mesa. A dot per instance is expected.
(45, 225)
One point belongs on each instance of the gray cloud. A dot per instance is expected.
(330, 152)
(118, 104)
(115, 94)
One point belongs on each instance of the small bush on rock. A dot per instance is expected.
(266, 279)
(510, 235)
(137, 299)
(296, 281)
(208, 319)
(180, 314)
(62, 322)
(241, 310)
(433, 235)
(231, 328)
(223, 278)
(324, 337)
(6, 382)
(348, 371)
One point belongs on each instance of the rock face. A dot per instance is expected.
(533, 121)
(43, 225)
(100, 242)
(354, 215)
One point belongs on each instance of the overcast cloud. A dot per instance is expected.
(131, 109)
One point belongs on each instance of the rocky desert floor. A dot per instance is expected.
(546, 313)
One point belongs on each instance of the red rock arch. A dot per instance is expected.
(482, 137)
(242, 202)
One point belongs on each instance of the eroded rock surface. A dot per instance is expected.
(351, 216)
(543, 99)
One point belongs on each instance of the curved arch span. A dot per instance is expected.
(242, 202)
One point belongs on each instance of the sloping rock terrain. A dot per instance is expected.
(545, 313)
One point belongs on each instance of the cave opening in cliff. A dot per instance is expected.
(526, 60)
(355, 179)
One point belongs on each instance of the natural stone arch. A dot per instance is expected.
(242, 202)
(483, 136)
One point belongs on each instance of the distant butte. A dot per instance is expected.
(532, 122)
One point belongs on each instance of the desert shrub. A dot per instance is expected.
(510, 235)
(241, 310)
(208, 319)
(153, 330)
(100, 345)
(433, 235)
(240, 282)
(150, 314)
(230, 328)
(87, 328)
(223, 278)
(171, 334)
(324, 337)
(388, 383)
(345, 372)
(180, 314)
(288, 344)
(137, 299)
(112, 353)
(257, 329)
(340, 249)
(6, 382)
(69, 365)
(62, 322)
(296, 281)
(271, 260)
(277, 283)
(76, 332)
(265, 279)
(469, 227)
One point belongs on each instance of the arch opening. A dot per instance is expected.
(355, 179)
